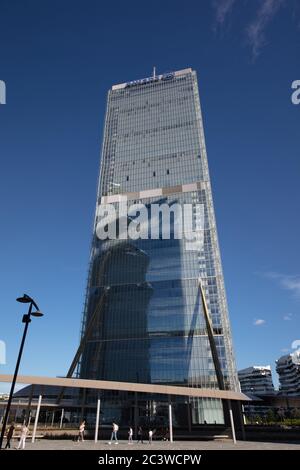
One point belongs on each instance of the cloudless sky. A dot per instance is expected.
(58, 59)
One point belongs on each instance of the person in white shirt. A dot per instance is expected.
(130, 434)
(114, 436)
(150, 436)
(24, 432)
(81, 431)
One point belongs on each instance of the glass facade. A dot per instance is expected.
(151, 328)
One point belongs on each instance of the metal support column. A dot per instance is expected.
(61, 418)
(231, 422)
(170, 421)
(97, 419)
(135, 414)
(189, 418)
(36, 418)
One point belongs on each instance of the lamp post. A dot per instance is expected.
(26, 319)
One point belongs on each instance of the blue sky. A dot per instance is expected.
(58, 60)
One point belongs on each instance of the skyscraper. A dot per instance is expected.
(149, 326)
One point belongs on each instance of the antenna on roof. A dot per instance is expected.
(154, 71)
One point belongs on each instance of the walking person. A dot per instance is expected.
(114, 434)
(150, 436)
(9, 435)
(130, 434)
(81, 431)
(24, 432)
(140, 435)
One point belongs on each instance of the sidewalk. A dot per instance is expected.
(46, 444)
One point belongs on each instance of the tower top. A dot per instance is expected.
(154, 77)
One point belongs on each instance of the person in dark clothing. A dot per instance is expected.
(9, 435)
(140, 435)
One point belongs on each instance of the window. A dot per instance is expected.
(154, 174)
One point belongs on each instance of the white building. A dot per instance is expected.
(4, 396)
(288, 369)
(256, 380)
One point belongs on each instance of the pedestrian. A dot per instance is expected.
(114, 434)
(150, 436)
(9, 435)
(140, 435)
(24, 432)
(81, 431)
(130, 434)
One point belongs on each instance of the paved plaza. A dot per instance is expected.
(49, 444)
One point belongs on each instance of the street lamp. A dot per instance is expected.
(26, 319)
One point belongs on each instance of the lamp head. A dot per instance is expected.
(37, 313)
(25, 299)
